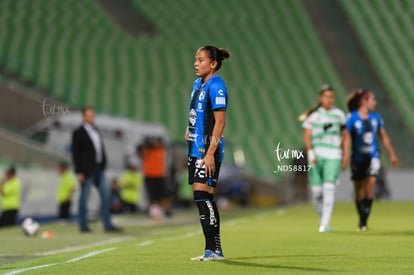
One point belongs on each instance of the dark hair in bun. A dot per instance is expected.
(216, 54)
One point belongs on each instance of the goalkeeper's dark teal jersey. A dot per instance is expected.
(203, 102)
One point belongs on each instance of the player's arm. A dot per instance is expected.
(76, 156)
(186, 133)
(2, 182)
(386, 141)
(218, 129)
(307, 142)
(346, 141)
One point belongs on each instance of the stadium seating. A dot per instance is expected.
(74, 50)
(384, 28)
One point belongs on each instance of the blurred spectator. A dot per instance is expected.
(185, 191)
(10, 189)
(115, 202)
(130, 184)
(154, 157)
(65, 192)
(89, 159)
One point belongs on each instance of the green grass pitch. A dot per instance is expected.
(255, 241)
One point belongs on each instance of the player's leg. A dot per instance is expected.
(8, 217)
(359, 197)
(212, 181)
(331, 170)
(366, 202)
(202, 193)
(64, 209)
(100, 183)
(359, 172)
(83, 203)
(369, 189)
(315, 182)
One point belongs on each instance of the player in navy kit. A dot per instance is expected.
(204, 133)
(365, 127)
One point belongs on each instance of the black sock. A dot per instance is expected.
(217, 239)
(207, 218)
(359, 207)
(366, 210)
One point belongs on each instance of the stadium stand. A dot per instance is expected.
(384, 28)
(73, 50)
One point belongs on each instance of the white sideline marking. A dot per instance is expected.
(179, 237)
(81, 247)
(146, 243)
(27, 269)
(88, 255)
(183, 236)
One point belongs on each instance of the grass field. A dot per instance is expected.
(255, 241)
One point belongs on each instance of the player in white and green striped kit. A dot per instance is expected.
(324, 131)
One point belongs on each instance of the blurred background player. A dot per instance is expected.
(154, 157)
(365, 126)
(130, 185)
(65, 192)
(115, 202)
(89, 159)
(10, 190)
(204, 133)
(324, 131)
(185, 192)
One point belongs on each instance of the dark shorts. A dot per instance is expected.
(198, 174)
(156, 188)
(8, 217)
(362, 169)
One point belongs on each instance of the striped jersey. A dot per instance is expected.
(364, 134)
(326, 126)
(203, 102)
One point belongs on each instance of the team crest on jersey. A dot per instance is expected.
(374, 123)
(192, 117)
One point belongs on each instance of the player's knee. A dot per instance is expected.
(200, 196)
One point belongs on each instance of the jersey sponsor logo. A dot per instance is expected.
(202, 95)
(221, 92)
(192, 137)
(192, 117)
(199, 106)
(368, 138)
(220, 100)
(327, 126)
